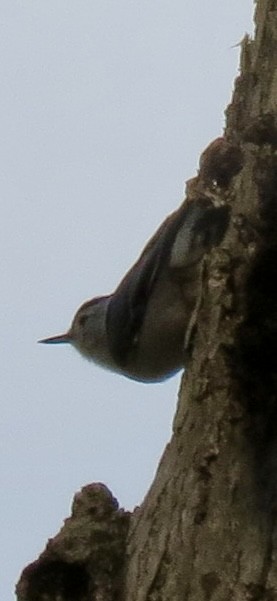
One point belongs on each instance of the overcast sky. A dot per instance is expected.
(105, 108)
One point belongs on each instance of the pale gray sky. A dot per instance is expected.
(105, 108)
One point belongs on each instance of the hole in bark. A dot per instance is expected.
(54, 580)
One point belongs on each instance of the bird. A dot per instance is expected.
(139, 331)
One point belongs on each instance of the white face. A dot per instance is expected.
(88, 330)
(87, 333)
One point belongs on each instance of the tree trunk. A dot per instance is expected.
(207, 528)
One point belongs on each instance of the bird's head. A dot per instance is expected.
(88, 329)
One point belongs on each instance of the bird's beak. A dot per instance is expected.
(61, 339)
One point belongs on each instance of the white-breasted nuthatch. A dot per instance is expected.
(139, 331)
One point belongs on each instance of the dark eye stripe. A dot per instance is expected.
(83, 320)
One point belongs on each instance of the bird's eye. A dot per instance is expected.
(83, 320)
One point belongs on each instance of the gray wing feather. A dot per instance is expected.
(181, 240)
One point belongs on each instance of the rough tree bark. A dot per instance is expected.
(207, 530)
